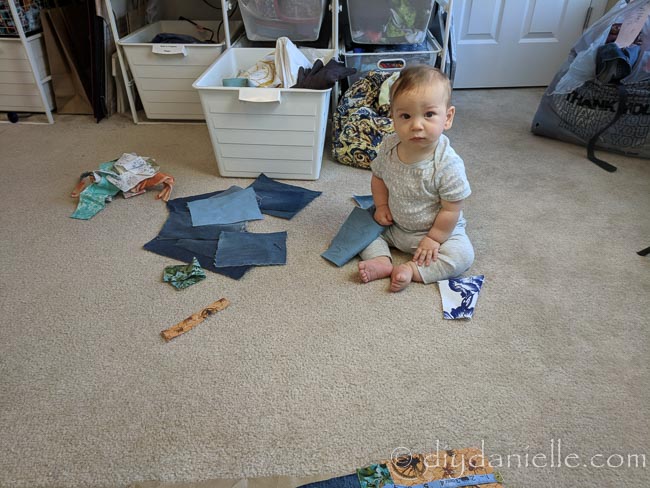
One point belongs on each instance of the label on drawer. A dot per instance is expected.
(169, 49)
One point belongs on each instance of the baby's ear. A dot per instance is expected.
(451, 111)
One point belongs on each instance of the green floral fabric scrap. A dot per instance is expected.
(94, 197)
(374, 476)
(183, 275)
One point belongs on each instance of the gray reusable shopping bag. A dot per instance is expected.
(600, 97)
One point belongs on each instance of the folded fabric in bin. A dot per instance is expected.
(171, 38)
(322, 77)
(288, 61)
(279, 68)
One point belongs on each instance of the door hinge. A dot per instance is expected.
(587, 18)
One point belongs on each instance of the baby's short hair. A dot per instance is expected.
(413, 77)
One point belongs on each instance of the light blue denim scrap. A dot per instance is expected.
(227, 208)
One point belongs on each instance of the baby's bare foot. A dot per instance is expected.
(374, 269)
(401, 277)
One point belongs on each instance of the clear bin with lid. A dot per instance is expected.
(391, 60)
(389, 21)
(266, 20)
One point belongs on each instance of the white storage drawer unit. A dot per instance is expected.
(276, 131)
(266, 20)
(404, 22)
(164, 73)
(18, 89)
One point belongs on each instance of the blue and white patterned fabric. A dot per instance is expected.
(459, 296)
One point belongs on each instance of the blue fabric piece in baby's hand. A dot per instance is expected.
(356, 233)
(364, 201)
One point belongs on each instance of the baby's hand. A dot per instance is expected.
(426, 252)
(383, 215)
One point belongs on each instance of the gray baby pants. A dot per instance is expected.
(455, 256)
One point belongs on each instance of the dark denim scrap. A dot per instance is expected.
(613, 63)
(281, 199)
(348, 481)
(247, 248)
(185, 249)
(356, 233)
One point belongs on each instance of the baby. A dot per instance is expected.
(418, 186)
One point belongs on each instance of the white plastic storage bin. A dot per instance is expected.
(389, 21)
(18, 89)
(266, 20)
(164, 73)
(276, 131)
(390, 60)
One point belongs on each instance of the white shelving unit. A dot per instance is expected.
(445, 37)
(25, 82)
(130, 80)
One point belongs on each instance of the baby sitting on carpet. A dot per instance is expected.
(418, 186)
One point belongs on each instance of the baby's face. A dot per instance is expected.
(420, 116)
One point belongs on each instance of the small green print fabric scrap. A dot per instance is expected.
(374, 476)
(184, 275)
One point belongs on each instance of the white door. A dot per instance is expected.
(509, 43)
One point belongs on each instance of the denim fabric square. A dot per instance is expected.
(185, 249)
(280, 199)
(364, 201)
(179, 223)
(227, 208)
(356, 233)
(459, 296)
(348, 481)
(181, 203)
(246, 248)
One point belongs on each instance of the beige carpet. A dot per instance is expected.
(309, 371)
